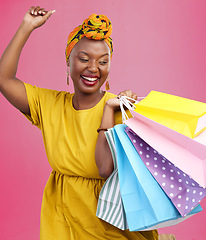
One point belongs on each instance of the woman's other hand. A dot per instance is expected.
(37, 16)
(114, 102)
(128, 93)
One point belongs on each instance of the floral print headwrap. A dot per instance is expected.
(97, 27)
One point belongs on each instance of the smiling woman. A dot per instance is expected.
(89, 64)
(73, 128)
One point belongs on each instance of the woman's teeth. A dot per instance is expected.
(90, 79)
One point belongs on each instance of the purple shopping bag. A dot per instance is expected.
(183, 191)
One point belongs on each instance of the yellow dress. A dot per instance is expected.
(71, 193)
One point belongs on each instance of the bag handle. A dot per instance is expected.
(127, 102)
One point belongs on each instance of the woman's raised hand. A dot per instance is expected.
(12, 88)
(37, 16)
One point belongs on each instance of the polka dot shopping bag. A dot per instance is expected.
(183, 191)
(184, 152)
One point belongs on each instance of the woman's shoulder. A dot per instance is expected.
(109, 95)
(46, 92)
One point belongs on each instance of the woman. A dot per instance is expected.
(73, 128)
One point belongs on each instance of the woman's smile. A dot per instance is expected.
(90, 80)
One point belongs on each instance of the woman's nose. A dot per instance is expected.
(92, 66)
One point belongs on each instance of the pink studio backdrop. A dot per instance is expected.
(158, 45)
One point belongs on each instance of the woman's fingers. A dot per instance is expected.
(128, 93)
(31, 10)
(37, 11)
(134, 96)
(49, 13)
(42, 11)
(37, 16)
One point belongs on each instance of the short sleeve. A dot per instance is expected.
(41, 102)
(33, 100)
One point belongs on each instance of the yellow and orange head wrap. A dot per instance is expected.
(97, 27)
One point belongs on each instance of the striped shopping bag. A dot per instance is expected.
(110, 208)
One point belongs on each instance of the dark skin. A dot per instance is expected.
(12, 88)
(89, 64)
(88, 59)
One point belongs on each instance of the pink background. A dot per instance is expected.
(158, 45)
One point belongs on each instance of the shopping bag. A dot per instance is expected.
(145, 203)
(183, 115)
(201, 138)
(184, 152)
(110, 207)
(183, 191)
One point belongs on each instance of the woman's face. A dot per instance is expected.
(89, 64)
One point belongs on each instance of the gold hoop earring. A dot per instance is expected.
(67, 75)
(107, 87)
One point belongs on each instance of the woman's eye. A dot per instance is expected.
(84, 60)
(103, 62)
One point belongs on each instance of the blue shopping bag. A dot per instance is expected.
(144, 201)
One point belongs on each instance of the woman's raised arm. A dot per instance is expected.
(12, 88)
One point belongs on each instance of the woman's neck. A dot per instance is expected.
(86, 101)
